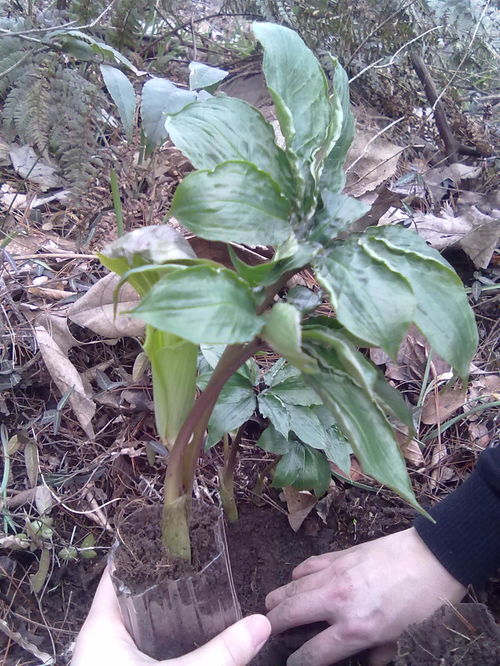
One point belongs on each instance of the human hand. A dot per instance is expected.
(104, 641)
(369, 594)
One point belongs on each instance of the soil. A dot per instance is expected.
(140, 538)
(264, 550)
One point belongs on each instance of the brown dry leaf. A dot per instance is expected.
(95, 309)
(57, 326)
(370, 162)
(479, 435)
(411, 449)
(411, 360)
(49, 294)
(475, 232)
(438, 407)
(44, 658)
(34, 168)
(67, 379)
(31, 462)
(485, 386)
(300, 504)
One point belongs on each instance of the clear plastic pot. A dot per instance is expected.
(175, 617)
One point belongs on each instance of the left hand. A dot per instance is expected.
(104, 641)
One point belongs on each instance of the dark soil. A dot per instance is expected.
(465, 635)
(140, 562)
(264, 550)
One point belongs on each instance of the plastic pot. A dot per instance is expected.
(174, 617)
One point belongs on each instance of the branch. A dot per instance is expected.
(452, 146)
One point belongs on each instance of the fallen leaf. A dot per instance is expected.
(43, 500)
(479, 435)
(96, 309)
(370, 162)
(34, 168)
(300, 504)
(57, 327)
(67, 379)
(438, 407)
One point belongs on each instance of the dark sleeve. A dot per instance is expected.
(466, 536)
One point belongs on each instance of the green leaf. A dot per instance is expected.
(304, 422)
(202, 305)
(333, 176)
(304, 299)
(368, 430)
(298, 86)
(37, 580)
(304, 469)
(288, 257)
(337, 352)
(160, 97)
(223, 129)
(212, 354)
(173, 366)
(337, 215)
(235, 405)
(70, 38)
(234, 203)
(373, 302)
(273, 408)
(123, 94)
(338, 450)
(293, 390)
(204, 76)
(443, 313)
(282, 331)
(273, 442)
(139, 255)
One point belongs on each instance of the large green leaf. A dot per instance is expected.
(235, 405)
(223, 129)
(298, 86)
(203, 305)
(367, 429)
(338, 352)
(160, 97)
(338, 213)
(373, 302)
(282, 331)
(234, 203)
(443, 313)
(123, 94)
(333, 175)
(273, 408)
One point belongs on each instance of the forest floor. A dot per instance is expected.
(72, 459)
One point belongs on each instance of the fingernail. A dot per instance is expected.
(260, 629)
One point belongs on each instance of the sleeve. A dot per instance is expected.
(466, 535)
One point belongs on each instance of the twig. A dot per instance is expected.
(452, 146)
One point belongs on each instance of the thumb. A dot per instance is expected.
(236, 646)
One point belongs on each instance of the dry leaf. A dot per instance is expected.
(479, 435)
(370, 164)
(95, 309)
(67, 379)
(57, 326)
(43, 500)
(300, 504)
(410, 448)
(31, 462)
(44, 658)
(438, 407)
(36, 169)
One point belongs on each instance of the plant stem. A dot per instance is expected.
(226, 476)
(182, 464)
(117, 203)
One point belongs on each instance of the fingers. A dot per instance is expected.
(304, 608)
(327, 648)
(299, 586)
(315, 564)
(236, 646)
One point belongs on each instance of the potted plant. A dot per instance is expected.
(248, 190)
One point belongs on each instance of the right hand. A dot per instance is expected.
(368, 594)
